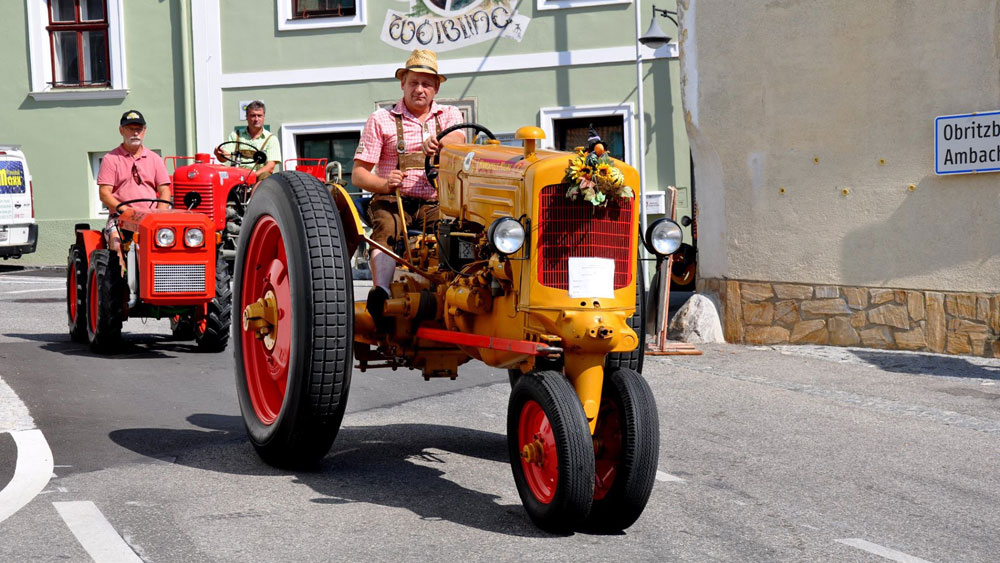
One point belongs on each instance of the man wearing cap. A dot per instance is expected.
(389, 162)
(129, 172)
(257, 138)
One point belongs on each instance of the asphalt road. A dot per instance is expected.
(767, 454)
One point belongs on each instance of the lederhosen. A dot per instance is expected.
(405, 161)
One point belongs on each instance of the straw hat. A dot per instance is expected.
(421, 60)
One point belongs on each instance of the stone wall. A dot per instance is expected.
(895, 319)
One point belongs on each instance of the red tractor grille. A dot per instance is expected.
(202, 189)
(578, 229)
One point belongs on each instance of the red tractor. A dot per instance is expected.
(172, 270)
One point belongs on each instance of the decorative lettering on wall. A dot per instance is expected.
(445, 25)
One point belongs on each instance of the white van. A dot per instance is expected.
(18, 231)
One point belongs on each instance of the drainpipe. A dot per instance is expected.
(185, 17)
(641, 129)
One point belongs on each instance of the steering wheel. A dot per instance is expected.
(431, 168)
(242, 154)
(118, 208)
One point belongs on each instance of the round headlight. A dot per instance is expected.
(506, 235)
(664, 237)
(165, 237)
(194, 237)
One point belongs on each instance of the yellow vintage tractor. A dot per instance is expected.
(531, 269)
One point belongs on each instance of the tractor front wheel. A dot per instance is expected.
(295, 324)
(551, 453)
(626, 451)
(212, 334)
(76, 294)
(105, 301)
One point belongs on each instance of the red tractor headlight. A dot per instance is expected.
(194, 237)
(165, 237)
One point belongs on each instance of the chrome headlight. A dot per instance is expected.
(165, 237)
(664, 237)
(194, 237)
(506, 235)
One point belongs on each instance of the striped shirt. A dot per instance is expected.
(378, 143)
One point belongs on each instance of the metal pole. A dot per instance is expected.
(641, 129)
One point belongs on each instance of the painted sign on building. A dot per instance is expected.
(968, 143)
(445, 25)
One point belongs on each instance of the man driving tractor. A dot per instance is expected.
(389, 162)
(131, 172)
(257, 139)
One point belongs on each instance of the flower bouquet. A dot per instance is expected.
(594, 177)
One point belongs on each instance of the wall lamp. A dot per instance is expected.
(654, 38)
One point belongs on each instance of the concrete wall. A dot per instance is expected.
(812, 130)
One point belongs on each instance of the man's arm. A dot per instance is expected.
(222, 155)
(163, 192)
(109, 201)
(363, 177)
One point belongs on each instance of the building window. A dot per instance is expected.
(334, 147)
(78, 37)
(567, 128)
(574, 131)
(77, 49)
(303, 9)
(317, 14)
(563, 4)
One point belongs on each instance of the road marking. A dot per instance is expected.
(95, 533)
(31, 280)
(31, 474)
(881, 551)
(668, 478)
(33, 290)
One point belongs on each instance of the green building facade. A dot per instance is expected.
(321, 67)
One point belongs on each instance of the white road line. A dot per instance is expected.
(27, 281)
(95, 533)
(668, 478)
(33, 290)
(31, 474)
(881, 551)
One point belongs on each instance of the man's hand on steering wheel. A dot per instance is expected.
(432, 159)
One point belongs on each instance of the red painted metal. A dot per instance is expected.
(607, 447)
(312, 166)
(574, 228)
(490, 342)
(266, 269)
(533, 428)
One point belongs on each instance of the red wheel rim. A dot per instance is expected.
(71, 292)
(266, 269)
(92, 302)
(607, 448)
(535, 433)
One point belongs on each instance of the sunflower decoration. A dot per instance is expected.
(594, 177)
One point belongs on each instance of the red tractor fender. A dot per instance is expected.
(90, 240)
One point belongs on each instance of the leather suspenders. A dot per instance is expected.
(409, 160)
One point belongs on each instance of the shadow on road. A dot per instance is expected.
(928, 364)
(394, 465)
(138, 346)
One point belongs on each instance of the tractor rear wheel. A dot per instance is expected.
(626, 451)
(551, 454)
(637, 322)
(76, 294)
(293, 347)
(212, 334)
(105, 301)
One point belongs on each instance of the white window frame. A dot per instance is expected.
(289, 131)
(565, 4)
(548, 115)
(286, 23)
(41, 56)
(97, 210)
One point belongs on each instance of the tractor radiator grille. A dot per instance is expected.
(204, 190)
(179, 278)
(576, 228)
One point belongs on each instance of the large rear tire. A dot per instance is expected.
(105, 301)
(626, 451)
(212, 334)
(633, 360)
(551, 453)
(293, 382)
(76, 294)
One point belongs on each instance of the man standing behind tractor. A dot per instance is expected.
(389, 162)
(129, 172)
(257, 137)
